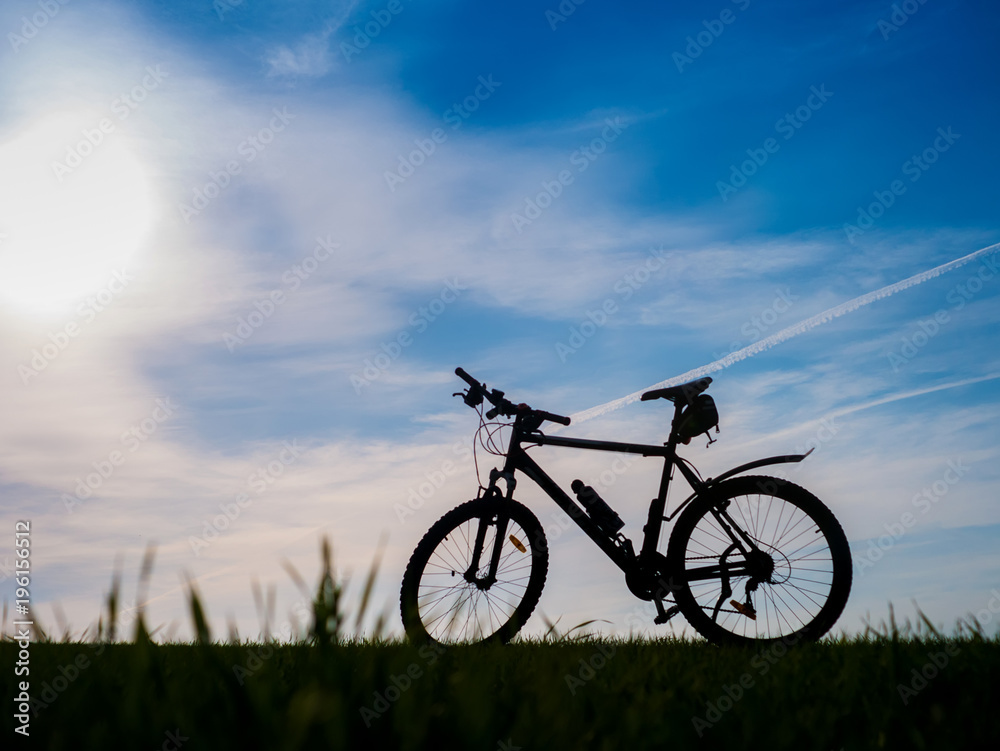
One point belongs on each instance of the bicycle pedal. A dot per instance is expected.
(746, 610)
(663, 617)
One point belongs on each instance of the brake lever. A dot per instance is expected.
(506, 408)
(470, 399)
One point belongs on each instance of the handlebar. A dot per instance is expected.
(501, 406)
(551, 417)
(466, 377)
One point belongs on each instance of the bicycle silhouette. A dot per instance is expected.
(751, 559)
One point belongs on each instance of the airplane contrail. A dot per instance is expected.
(898, 396)
(787, 333)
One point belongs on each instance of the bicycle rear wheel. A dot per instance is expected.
(759, 559)
(442, 599)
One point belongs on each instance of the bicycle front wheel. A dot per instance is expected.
(446, 598)
(759, 559)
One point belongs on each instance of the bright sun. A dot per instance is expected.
(64, 231)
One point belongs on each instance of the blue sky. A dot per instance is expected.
(284, 205)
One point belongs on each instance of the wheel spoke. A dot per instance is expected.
(447, 607)
(808, 553)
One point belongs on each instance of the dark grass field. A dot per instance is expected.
(861, 694)
(891, 688)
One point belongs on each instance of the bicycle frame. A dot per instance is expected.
(732, 537)
(646, 573)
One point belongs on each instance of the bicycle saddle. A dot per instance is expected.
(687, 391)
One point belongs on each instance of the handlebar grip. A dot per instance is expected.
(466, 377)
(552, 418)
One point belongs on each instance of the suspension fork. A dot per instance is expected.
(492, 493)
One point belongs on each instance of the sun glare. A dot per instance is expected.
(75, 207)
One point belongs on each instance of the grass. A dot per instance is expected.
(895, 686)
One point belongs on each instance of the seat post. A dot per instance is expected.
(658, 505)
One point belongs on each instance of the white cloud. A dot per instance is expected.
(324, 174)
(310, 56)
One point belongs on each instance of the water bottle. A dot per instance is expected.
(599, 511)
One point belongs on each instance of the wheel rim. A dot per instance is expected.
(453, 609)
(800, 582)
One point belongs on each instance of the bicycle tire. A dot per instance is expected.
(433, 612)
(808, 587)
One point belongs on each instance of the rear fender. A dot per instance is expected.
(783, 459)
(713, 481)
